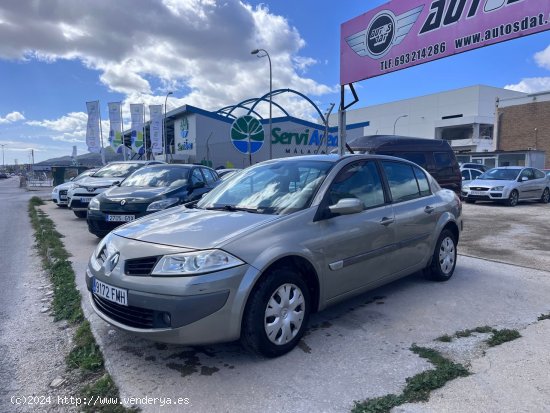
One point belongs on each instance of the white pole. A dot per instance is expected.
(101, 133)
(122, 126)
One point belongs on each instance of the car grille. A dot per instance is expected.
(140, 266)
(478, 188)
(108, 207)
(127, 315)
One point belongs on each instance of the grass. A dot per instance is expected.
(464, 333)
(86, 355)
(502, 336)
(418, 387)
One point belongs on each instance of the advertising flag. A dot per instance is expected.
(137, 115)
(115, 129)
(156, 129)
(93, 138)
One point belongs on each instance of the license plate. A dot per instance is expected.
(478, 193)
(86, 199)
(120, 218)
(113, 294)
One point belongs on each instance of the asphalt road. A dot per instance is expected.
(353, 351)
(32, 346)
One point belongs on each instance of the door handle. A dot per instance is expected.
(387, 221)
(429, 209)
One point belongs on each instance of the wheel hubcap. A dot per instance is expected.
(284, 314)
(447, 255)
(514, 198)
(546, 195)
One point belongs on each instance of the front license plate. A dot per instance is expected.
(478, 193)
(113, 294)
(120, 218)
(86, 199)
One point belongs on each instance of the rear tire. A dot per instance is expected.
(545, 198)
(81, 214)
(512, 200)
(276, 314)
(443, 262)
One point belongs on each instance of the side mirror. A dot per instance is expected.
(198, 185)
(116, 183)
(523, 179)
(463, 178)
(347, 206)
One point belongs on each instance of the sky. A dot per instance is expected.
(55, 55)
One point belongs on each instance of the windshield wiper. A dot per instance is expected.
(228, 207)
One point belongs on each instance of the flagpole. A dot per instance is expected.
(122, 127)
(101, 134)
(143, 131)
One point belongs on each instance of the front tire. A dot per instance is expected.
(545, 198)
(443, 262)
(81, 214)
(512, 200)
(276, 314)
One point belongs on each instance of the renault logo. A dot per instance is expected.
(111, 263)
(123, 202)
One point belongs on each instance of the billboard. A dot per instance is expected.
(402, 34)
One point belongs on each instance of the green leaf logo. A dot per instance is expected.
(247, 134)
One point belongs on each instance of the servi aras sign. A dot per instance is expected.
(402, 34)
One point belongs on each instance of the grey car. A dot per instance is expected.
(509, 185)
(280, 240)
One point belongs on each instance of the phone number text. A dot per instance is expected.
(414, 56)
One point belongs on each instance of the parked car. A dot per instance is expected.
(509, 185)
(59, 193)
(469, 174)
(226, 173)
(80, 196)
(262, 251)
(473, 165)
(3, 175)
(547, 172)
(434, 155)
(149, 189)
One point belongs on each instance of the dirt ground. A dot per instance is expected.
(516, 235)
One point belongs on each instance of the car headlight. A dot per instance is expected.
(193, 263)
(497, 188)
(466, 188)
(94, 204)
(55, 190)
(162, 204)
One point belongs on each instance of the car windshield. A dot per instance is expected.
(501, 174)
(117, 170)
(158, 177)
(83, 175)
(279, 187)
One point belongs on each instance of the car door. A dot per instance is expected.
(357, 245)
(526, 185)
(539, 183)
(416, 210)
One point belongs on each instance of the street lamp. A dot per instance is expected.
(164, 123)
(3, 163)
(395, 123)
(256, 51)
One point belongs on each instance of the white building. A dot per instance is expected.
(465, 117)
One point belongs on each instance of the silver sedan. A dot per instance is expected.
(509, 184)
(278, 241)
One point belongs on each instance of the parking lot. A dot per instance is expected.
(355, 350)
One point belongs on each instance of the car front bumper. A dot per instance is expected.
(192, 310)
(484, 195)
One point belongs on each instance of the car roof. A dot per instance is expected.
(387, 141)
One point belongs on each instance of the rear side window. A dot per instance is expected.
(538, 174)
(210, 178)
(444, 164)
(422, 180)
(403, 181)
(418, 158)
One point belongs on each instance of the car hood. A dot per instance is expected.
(66, 185)
(134, 193)
(490, 182)
(193, 228)
(99, 182)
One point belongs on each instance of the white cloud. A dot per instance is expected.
(74, 122)
(199, 46)
(531, 85)
(12, 117)
(543, 58)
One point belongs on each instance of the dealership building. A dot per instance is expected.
(465, 117)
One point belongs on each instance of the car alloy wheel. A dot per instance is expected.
(447, 255)
(284, 314)
(545, 198)
(513, 199)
